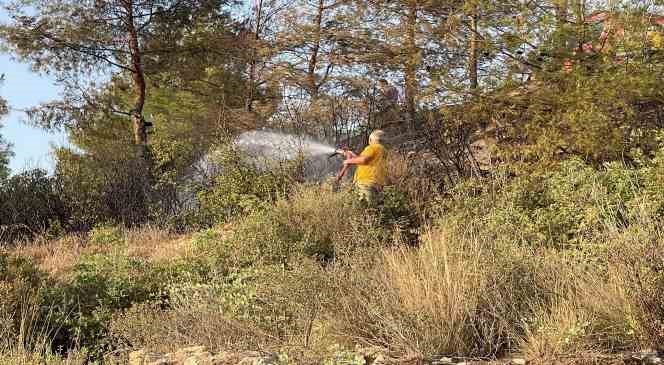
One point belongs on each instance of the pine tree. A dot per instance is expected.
(82, 40)
(5, 147)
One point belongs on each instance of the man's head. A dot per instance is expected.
(376, 137)
(382, 82)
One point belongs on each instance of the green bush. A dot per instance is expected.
(112, 186)
(313, 222)
(566, 205)
(254, 307)
(21, 320)
(106, 236)
(30, 204)
(218, 314)
(99, 286)
(245, 185)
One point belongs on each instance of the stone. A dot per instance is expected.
(163, 361)
(373, 355)
(442, 360)
(226, 358)
(203, 358)
(143, 357)
(518, 361)
(259, 360)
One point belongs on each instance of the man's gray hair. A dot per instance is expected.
(376, 136)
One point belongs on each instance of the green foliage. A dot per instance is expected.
(112, 189)
(566, 205)
(106, 236)
(5, 155)
(398, 212)
(233, 294)
(13, 269)
(100, 286)
(30, 203)
(21, 320)
(608, 112)
(244, 186)
(313, 222)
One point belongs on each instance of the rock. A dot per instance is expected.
(442, 360)
(260, 360)
(162, 361)
(203, 358)
(373, 355)
(190, 351)
(518, 361)
(143, 357)
(224, 357)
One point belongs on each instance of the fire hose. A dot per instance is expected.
(346, 153)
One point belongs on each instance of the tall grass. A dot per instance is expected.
(583, 284)
(574, 267)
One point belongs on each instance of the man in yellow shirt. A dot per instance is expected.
(371, 172)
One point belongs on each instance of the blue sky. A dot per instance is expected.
(23, 89)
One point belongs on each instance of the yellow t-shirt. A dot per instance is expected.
(374, 171)
(656, 40)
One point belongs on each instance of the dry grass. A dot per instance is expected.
(26, 329)
(37, 358)
(595, 318)
(57, 257)
(433, 281)
(460, 294)
(442, 298)
(464, 291)
(157, 245)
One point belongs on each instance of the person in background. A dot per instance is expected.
(387, 112)
(371, 172)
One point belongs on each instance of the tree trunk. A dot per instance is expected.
(561, 11)
(472, 53)
(410, 74)
(138, 78)
(312, 85)
(252, 66)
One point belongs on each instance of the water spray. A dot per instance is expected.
(338, 152)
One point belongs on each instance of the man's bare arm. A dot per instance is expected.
(359, 160)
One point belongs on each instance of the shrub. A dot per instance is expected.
(256, 307)
(214, 314)
(636, 263)
(553, 264)
(21, 320)
(313, 222)
(442, 298)
(566, 205)
(468, 295)
(112, 186)
(106, 236)
(30, 203)
(99, 286)
(245, 184)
